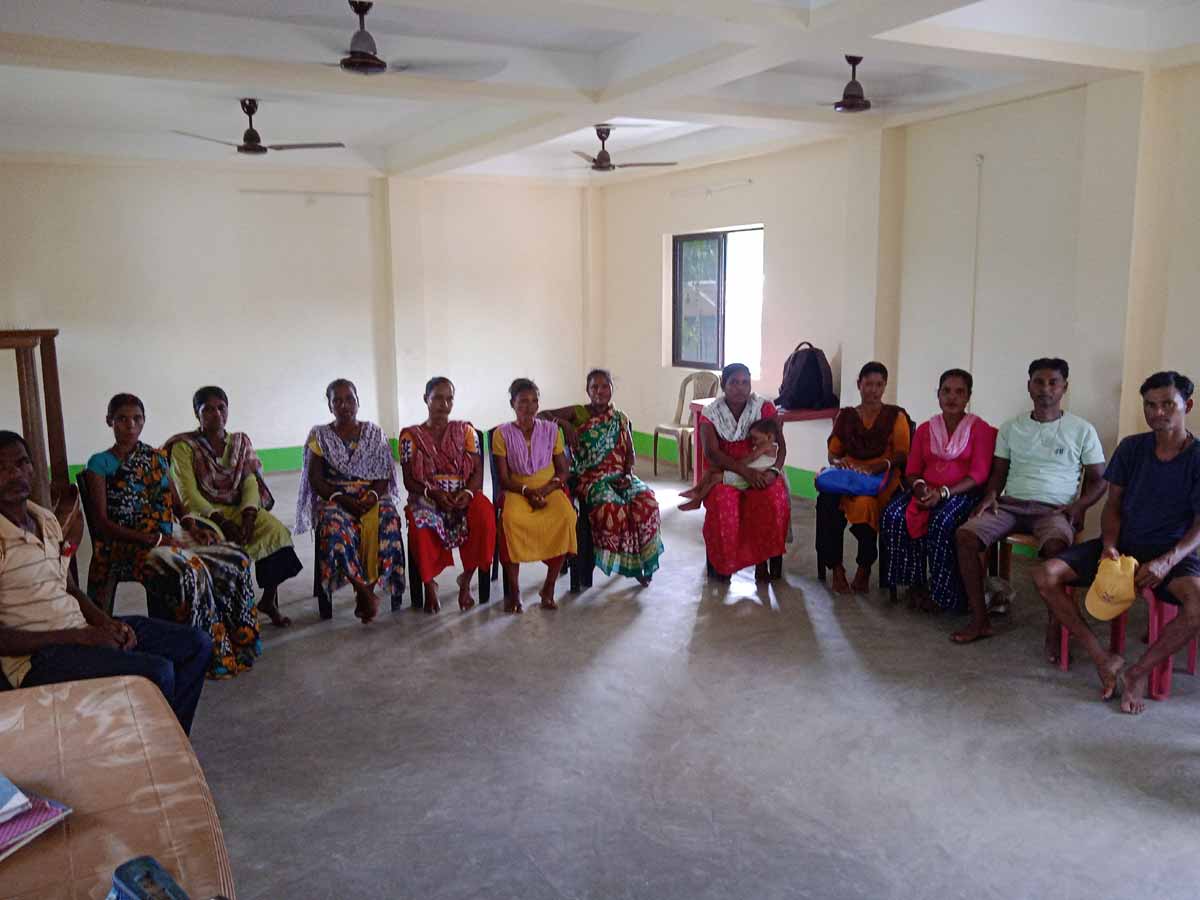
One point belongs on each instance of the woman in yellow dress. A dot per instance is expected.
(872, 438)
(537, 521)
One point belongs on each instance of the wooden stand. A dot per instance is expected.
(37, 435)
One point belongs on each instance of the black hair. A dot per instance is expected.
(8, 438)
(120, 400)
(595, 373)
(732, 369)
(520, 385)
(873, 368)
(1169, 379)
(205, 394)
(434, 382)
(1052, 363)
(337, 383)
(768, 426)
(958, 373)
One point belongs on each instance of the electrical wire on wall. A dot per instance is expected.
(975, 255)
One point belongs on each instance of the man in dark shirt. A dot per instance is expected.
(1153, 515)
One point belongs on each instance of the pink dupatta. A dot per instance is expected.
(944, 446)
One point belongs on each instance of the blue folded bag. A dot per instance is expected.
(846, 481)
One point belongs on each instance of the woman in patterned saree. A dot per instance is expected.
(219, 477)
(348, 494)
(742, 528)
(623, 512)
(443, 474)
(189, 577)
(537, 520)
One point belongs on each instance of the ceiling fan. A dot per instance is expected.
(363, 56)
(602, 162)
(252, 141)
(854, 100)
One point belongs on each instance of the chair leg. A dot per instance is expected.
(485, 586)
(682, 458)
(416, 589)
(1005, 560)
(654, 454)
(324, 604)
(820, 571)
(775, 567)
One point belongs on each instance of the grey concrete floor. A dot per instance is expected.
(690, 740)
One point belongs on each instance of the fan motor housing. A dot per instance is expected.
(363, 63)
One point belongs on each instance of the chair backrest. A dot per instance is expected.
(82, 485)
(704, 385)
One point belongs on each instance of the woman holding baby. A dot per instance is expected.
(743, 527)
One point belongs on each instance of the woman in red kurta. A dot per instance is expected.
(750, 526)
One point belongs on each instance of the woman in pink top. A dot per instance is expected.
(949, 463)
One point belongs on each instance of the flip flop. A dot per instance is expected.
(955, 639)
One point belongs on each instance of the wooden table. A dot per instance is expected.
(783, 417)
(112, 750)
(24, 343)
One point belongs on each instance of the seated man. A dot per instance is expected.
(1035, 477)
(1153, 515)
(51, 632)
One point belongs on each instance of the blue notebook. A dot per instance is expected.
(12, 801)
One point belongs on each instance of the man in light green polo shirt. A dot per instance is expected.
(1041, 457)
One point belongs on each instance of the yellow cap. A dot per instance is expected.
(1112, 592)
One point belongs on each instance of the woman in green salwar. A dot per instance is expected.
(219, 478)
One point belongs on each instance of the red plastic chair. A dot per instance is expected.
(1160, 614)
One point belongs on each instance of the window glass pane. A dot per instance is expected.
(698, 320)
(744, 299)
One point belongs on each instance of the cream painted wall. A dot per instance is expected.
(163, 279)
(1055, 208)
(800, 199)
(499, 290)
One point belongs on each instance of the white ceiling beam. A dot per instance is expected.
(1017, 47)
(252, 74)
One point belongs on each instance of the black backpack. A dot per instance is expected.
(807, 380)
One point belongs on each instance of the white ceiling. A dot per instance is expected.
(511, 87)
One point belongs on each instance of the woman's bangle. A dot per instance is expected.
(374, 494)
(523, 490)
(919, 481)
(945, 492)
(425, 493)
(335, 495)
(470, 493)
(158, 543)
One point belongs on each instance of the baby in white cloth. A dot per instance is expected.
(764, 448)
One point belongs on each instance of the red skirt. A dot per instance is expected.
(433, 557)
(745, 528)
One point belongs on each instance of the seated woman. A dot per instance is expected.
(623, 513)
(872, 438)
(764, 438)
(189, 576)
(537, 520)
(443, 474)
(348, 494)
(950, 461)
(219, 477)
(742, 528)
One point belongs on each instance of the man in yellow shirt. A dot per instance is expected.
(51, 632)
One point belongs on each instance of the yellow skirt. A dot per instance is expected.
(533, 535)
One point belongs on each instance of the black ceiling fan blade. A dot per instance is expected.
(452, 70)
(590, 160)
(324, 146)
(201, 137)
(643, 165)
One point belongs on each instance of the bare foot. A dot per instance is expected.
(976, 631)
(433, 603)
(862, 581)
(465, 600)
(643, 580)
(1108, 672)
(269, 606)
(366, 604)
(691, 504)
(839, 584)
(1133, 693)
(547, 595)
(512, 604)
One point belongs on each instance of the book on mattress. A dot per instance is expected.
(22, 828)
